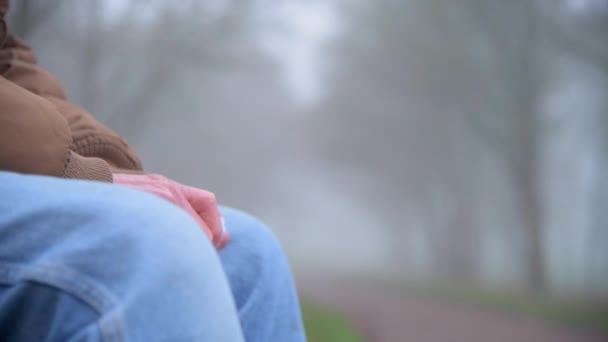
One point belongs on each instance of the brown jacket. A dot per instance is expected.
(41, 132)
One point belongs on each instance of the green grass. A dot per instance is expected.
(563, 311)
(325, 325)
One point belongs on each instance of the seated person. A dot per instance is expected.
(94, 249)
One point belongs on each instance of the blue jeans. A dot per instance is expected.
(261, 281)
(84, 261)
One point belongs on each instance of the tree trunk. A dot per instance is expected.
(530, 142)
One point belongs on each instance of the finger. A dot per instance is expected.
(200, 222)
(205, 204)
(223, 240)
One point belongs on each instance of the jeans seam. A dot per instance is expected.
(111, 323)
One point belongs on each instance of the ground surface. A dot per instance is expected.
(390, 316)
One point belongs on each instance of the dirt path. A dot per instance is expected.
(391, 317)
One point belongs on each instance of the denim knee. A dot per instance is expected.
(134, 258)
(145, 238)
(261, 280)
(104, 232)
(253, 255)
(253, 239)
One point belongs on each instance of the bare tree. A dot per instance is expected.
(407, 123)
(513, 31)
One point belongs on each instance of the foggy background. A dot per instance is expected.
(454, 142)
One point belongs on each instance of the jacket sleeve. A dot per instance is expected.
(90, 143)
(36, 139)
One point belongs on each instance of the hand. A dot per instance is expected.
(200, 204)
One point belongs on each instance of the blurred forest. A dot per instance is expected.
(446, 141)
